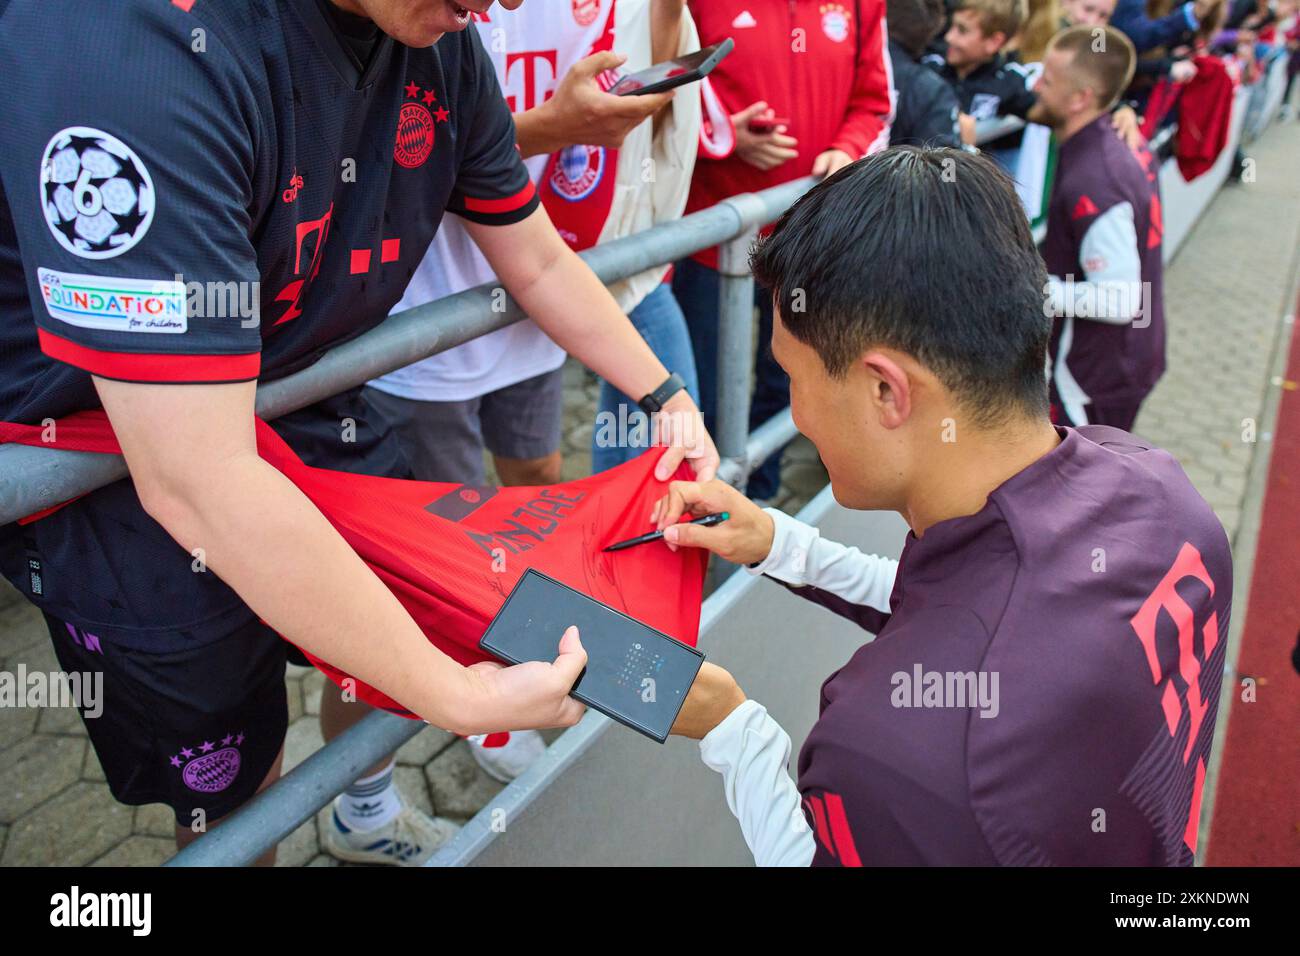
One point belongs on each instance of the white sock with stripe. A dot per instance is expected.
(370, 802)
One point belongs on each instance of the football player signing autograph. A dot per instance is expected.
(1078, 566)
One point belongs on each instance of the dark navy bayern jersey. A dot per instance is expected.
(210, 191)
(1045, 687)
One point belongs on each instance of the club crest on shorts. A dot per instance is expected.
(835, 22)
(578, 171)
(97, 195)
(584, 11)
(206, 769)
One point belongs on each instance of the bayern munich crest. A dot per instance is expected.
(578, 172)
(835, 22)
(206, 769)
(96, 194)
(414, 140)
(584, 11)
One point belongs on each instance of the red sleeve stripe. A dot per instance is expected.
(152, 366)
(508, 204)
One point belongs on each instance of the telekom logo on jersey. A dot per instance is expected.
(1165, 597)
(531, 74)
(294, 291)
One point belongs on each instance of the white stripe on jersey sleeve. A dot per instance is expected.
(1112, 290)
(1074, 400)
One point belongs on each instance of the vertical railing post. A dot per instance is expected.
(735, 355)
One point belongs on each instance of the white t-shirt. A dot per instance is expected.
(541, 41)
(541, 46)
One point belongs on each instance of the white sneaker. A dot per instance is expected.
(504, 756)
(409, 839)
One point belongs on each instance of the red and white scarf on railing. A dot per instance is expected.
(717, 135)
(577, 187)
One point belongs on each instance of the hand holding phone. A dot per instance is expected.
(768, 122)
(673, 73)
(760, 137)
(581, 111)
(634, 674)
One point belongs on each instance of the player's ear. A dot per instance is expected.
(890, 388)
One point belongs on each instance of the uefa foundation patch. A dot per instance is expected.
(114, 303)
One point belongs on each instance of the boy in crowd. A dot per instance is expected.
(1103, 244)
(926, 111)
(986, 82)
(1086, 13)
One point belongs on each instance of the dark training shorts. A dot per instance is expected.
(196, 728)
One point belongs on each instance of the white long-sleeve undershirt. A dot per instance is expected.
(749, 748)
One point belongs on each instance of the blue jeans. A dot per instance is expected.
(660, 322)
(696, 287)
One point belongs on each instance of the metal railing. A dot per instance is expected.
(32, 479)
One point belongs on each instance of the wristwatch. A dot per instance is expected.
(655, 400)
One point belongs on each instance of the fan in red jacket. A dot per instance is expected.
(807, 89)
(821, 68)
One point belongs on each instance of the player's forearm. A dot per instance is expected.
(802, 558)
(262, 536)
(1110, 301)
(752, 753)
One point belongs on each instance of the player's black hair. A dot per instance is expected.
(926, 251)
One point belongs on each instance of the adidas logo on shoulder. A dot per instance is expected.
(744, 19)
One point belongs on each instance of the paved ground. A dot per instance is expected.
(1225, 293)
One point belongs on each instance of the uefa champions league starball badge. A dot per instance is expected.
(96, 194)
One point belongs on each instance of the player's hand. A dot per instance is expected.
(680, 426)
(1125, 123)
(830, 162)
(744, 538)
(581, 112)
(526, 696)
(762, 149)
(713, 696)
(966, 126)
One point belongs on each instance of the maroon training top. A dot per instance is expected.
(1089, 600)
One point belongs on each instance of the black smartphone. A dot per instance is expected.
(672, 73)
(635, 674)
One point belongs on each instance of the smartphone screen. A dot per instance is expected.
(673, 73)
(635, 674)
